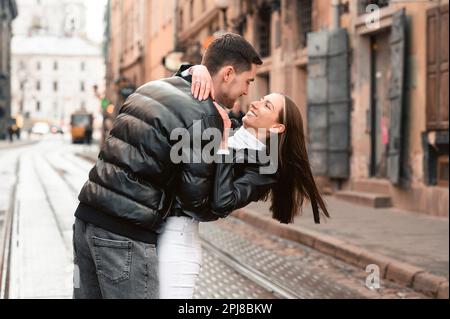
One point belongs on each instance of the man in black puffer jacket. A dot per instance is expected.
(136, 184)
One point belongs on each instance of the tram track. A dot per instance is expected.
(5, 241)
(249, 272)
(50, 204)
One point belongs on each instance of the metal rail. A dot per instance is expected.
(251, 273)
(5, 239)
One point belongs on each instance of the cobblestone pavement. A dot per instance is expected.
(308, 273)
(219, 281)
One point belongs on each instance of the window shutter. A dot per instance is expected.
(443, 68)
(432, 58)
(437, 68)
(317, 86)
(339, 105)
(264, 31)
(396, 97)
(329, 103)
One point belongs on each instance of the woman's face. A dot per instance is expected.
(264, 114)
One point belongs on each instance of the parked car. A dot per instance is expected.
(40, 128)
(56, 129)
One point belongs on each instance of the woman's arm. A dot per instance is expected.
(233, 192)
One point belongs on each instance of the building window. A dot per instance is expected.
(263, 83)
(82, 87)
(22, 85)
(363, 4)
(55, 65)
(38, 65)
(167, 12)
(83, 66)
(213, 27)
(191, 10)
(181, 25)
(38, 106)
(36, 25)
(264, 29)
(155, 20)
(38, 85)
(436, 146)
(55, 86)
(2, 53)
(304, 20)
(55, 109)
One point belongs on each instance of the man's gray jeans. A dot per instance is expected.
(110, 266)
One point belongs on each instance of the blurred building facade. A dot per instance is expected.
(370, 77)
(8, 12)
(131, 59)
(68, 18)
(54, 65)
(125, 50)
(162, 37)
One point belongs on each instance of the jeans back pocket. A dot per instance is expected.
(113, 258)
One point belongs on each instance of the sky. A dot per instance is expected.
(95, 15)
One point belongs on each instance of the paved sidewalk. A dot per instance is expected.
(414, 246)
(5, 145)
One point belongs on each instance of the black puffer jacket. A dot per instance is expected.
(241, 181)
(134, 184)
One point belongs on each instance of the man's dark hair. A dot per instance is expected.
(231, 49)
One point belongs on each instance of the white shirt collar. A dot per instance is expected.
(243, 139)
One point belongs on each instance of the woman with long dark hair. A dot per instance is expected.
(239, 184)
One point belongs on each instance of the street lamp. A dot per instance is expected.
(223, 5)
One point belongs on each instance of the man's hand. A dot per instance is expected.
(202, 84)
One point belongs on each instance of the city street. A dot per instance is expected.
(354, 93)
(239, 260)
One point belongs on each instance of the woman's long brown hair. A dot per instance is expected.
(295, 179)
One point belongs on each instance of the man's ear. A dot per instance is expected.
(228, 73)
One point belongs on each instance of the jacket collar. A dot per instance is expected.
(183, 68)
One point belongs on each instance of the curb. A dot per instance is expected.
(390, 269)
